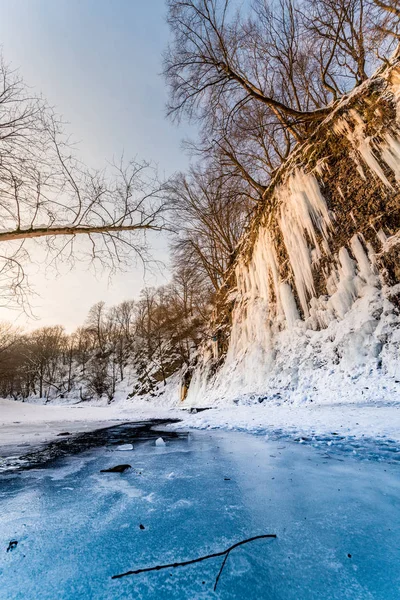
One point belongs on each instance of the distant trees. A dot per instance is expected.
(169, 325)
(140, 343)
(44, 364)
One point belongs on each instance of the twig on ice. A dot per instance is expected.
(224, 553)
(220, 571)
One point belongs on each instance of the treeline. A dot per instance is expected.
(148, 340)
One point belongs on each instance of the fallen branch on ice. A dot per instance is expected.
(224, 553)
(221, 569)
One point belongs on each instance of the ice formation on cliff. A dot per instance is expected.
(277, 342)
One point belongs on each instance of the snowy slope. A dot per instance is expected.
(355, 359)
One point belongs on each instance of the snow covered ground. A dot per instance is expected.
(23, 424)
(380, 421)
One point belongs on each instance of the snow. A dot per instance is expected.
(344, 346)
(23, 424)
(370, 420)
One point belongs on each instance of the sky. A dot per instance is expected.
(99, 63)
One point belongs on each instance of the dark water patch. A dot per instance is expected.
(112, 437)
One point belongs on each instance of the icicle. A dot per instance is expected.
(346, 292)
(362, 144)
(303, 213)
(391, 155)
(347, 264)
(391, 241)
(364, 264)
(382, 237)
(289, 305)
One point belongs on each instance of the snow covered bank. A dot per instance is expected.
(360, 420)
(23, 424)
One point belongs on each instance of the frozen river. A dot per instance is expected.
(336, 517)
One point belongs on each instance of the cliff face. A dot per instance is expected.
(311, 306)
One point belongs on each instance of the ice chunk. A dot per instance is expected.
(125, 447)
(160, 442)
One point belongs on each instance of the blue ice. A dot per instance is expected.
(337, 521)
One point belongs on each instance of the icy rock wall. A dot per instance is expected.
(313, 293)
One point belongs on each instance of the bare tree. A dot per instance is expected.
(260, 81)
(83, 346)
(390, 6)
(48, 196)
(121, 329)
(347, 39)
(386, 23)
(96, 324)
(98, 380)
(209, 215)
(44, 348)
(212, 59)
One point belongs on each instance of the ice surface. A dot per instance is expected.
(77, 527)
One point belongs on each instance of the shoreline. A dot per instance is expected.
(24, 426)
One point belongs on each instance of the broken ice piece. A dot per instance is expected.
(160, 442)
(125, 447)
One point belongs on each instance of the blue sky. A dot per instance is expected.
(99, 63)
